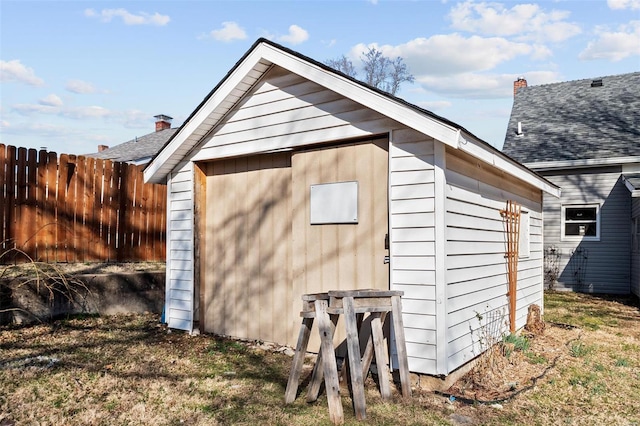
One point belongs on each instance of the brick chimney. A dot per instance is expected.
(102, 147)
(520, 82)
(163, 122)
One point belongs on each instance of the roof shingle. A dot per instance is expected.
(135, 150)
(576, 120)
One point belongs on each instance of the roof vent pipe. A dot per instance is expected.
(519, 131)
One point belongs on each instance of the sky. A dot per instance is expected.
(78, 74)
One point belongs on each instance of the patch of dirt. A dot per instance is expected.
(508, 369)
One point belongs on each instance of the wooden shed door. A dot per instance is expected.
(246, 256)
(349, 255)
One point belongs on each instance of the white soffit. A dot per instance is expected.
(501, 162)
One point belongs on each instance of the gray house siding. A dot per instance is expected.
(602, 266)
(635, 250)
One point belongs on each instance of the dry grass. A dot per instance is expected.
(129, 370)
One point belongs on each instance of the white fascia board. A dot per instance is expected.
(165, 161)
(364, 96)
(574, 164)
(470, 146)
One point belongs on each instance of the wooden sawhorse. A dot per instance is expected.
(326, 308)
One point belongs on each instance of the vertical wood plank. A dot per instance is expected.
(21, 231)
(41, 194)
(108, 213)
(254, 214)
(280, 262)
(298, 360)
(88, 201)
(330, 368)
(147, 211)
(50, 207)
(199, 238)
(355, 362)
(158, 220)
(137, 220)
(156, 223)
(123, 220)
(74, 209)
(377, 338)
(142, 221)
(401, 348)
(114, 205)
(62, 209)
(265, 237)
(98, 211)
(4, 204)
(10, 197)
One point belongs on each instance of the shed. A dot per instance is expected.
(292, 178)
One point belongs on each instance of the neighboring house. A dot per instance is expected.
(292, 178)
(584, 136)
(139, 150)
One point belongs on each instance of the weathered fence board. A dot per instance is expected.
(78, 209)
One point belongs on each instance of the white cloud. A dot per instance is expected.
(525, 21)
(51, 108)
(424, 56)
(624, 4)
(230, 31)
(435, 105)
(614, 45)
(142, 18)
(79, 86)
(87, 112)
(14, 70)
(296, 35)
(51, 100)
(481, 86)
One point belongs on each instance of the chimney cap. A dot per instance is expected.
(162, 117)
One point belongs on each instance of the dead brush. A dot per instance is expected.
(46, 279)
(488, 336)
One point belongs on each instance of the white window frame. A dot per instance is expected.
(579, 237)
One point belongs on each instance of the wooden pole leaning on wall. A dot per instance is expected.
(511, 216)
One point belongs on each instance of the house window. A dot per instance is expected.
(581, 222)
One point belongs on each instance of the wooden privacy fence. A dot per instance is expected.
(77, 209)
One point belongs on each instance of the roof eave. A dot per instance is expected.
(471, 145)
(583, 163)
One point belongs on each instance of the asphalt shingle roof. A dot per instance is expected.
(575, 121)
(143, 147)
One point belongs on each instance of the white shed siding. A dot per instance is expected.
(608, 263)
(476, 269)
(285, 111)
(412, 234)
(635, 249)
(179, 301)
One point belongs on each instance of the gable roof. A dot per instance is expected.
(264, 54)
(137, 150)
(581, 122)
